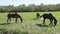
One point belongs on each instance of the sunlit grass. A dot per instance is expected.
(28, 26)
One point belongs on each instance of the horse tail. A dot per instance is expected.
(55, 21)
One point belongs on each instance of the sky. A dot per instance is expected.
(27, 2)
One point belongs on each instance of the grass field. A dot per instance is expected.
(29, 25)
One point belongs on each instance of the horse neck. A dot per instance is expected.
(19, 16)
(54, 18)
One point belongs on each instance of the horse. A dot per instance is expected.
(9, 16)
(50, 17)
(37, 16)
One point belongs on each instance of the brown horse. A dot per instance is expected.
(14, 16)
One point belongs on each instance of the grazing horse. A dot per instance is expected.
(51, 17)
(37, 16)
(14, 16)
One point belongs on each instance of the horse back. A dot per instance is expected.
(48, 16)
(12, 15)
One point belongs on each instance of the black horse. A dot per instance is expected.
(51, 17)
(14, 16)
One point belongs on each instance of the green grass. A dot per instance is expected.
(28, 26)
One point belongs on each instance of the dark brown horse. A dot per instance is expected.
(51, 17)
(14, 16)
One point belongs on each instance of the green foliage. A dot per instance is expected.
(30, 8)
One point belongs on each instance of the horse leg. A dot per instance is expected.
(10, 19)
(44, 21)
(51, 22)
(7, 20)
(16, 20)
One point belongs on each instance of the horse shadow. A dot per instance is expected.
(41, 25)
(5, 23)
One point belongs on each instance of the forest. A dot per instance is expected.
(31, 8)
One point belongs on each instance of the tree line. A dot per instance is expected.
(30, 8)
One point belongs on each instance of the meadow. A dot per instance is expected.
(29, 25)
